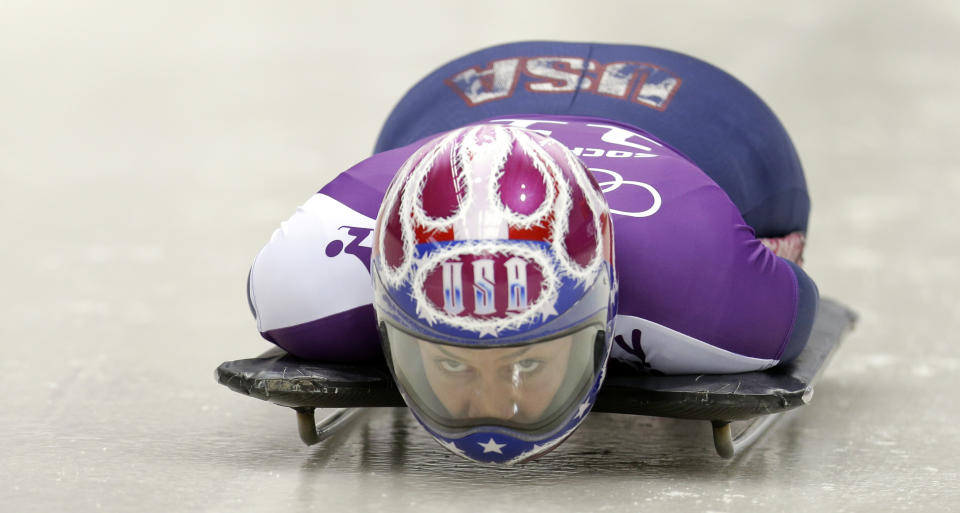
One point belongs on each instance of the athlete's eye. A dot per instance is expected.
(527, 365)
(452, 365)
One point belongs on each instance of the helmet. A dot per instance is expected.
(495, 290)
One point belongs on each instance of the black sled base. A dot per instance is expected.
(285, 380)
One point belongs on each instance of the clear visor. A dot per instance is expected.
(533, 388)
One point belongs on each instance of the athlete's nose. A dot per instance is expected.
(494, 400)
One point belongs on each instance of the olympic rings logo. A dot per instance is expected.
(618, 181)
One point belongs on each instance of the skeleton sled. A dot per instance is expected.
(757, 397)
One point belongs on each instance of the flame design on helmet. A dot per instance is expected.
(491, 187)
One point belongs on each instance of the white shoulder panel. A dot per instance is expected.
(311, 267)
(660, 348)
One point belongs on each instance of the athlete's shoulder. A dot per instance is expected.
(576, 130)
(362, 186)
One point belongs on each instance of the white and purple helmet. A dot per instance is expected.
(495, 290)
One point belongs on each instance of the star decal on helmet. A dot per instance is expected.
(584, 407)
(452, 447)
(491, 446)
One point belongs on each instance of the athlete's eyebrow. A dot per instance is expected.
(448, 353)
(515, 353)
(504, 357)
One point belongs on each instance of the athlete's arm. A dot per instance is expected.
(309, 287)
(699, 293)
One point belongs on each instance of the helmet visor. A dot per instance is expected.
(531, 389)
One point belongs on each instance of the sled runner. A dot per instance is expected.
(721, 399)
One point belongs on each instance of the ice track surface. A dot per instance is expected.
(148, 151)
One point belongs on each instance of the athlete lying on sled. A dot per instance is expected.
(532, 209)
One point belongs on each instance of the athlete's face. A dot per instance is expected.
(510, 383)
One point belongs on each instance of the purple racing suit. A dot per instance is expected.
(699, 292)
